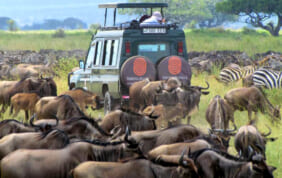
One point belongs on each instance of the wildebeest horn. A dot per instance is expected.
(201, 88)
(57, 121)
(132, 143)
(217, 130)
(208, 86)
(251, 151)
(127, 132)
(233, 130)
(181, 160)
(31, 121)
(267, 134)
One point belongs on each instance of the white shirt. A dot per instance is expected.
(150, 22)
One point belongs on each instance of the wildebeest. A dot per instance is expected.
(193, 145)
(136, 102)
(212, 164)
(76, 128)
(63, 107)
(30, 70)
(189, 97)
(4, 98)
(219, 113)
(9, 126)
(45, 163)
(143, 93)
(151, 89)
(41, 86)
(84, 98)
(147, 140)
(53, 139)
(183, 167)
(24, 101)
(251, 99)
(117, 121)
(249, 141)
(248, 81)
(177, 148)
(166, 116)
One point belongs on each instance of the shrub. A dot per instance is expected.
(60, 33)
(247, 30)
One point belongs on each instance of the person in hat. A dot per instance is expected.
(155, 19)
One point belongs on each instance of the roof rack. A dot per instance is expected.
(133, 5)
(136, 25)
(130, 5)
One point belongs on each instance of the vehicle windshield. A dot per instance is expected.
(154, 51)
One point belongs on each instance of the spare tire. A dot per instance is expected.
(174, 66)
(137, 68)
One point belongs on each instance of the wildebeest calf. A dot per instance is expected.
(24, 101)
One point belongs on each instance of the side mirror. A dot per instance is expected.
(81, 64)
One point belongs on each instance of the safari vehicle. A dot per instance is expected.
(122, 54)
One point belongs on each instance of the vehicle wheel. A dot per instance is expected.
(107, 103)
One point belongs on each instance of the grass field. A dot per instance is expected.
(199, 40)
(250, 42)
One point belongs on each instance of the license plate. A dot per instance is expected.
(154, 30)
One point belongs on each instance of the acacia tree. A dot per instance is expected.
(259, 12)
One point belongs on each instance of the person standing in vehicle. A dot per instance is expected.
(155, 19)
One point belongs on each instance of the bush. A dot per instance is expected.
(247, 30)
(191, 25)
(218, 30)
(60, 33)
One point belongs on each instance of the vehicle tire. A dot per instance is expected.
(174, 66)
(137, 68)
(107, 103)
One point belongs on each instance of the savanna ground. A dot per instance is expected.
(248, 41)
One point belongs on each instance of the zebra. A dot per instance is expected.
(234, 72)
(230, 74)
(267, 78)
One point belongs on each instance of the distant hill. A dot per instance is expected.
(49, 24)
(29, 12)
(4, 23)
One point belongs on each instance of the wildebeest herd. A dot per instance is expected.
(145, 139)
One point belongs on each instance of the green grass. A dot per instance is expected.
(218, 39)
(36, 40)
(199, 40)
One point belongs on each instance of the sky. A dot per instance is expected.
(30, 11)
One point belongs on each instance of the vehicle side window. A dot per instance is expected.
(107, 53)
(114, 53)
(110, 53)
(90, 56)
(97, 53)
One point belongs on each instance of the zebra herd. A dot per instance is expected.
(260, 76)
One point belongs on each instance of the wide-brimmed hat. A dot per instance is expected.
(158, 15)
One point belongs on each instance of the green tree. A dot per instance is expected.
(259, 12)
(202, 12)
(12, 25)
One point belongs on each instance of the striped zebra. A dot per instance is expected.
(267, 78)
(234, 73)
(230, 74)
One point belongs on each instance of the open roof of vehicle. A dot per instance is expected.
(133, 5)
